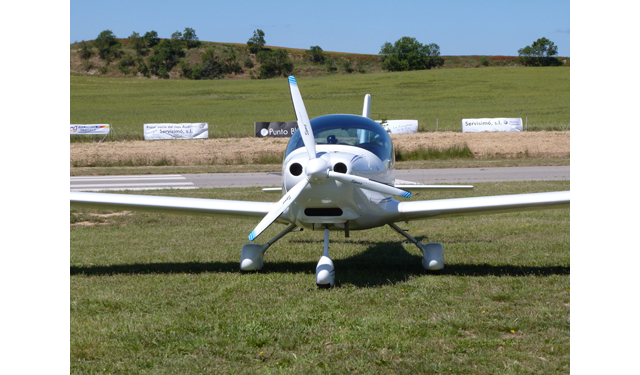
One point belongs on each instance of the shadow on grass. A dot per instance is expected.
(384, 263)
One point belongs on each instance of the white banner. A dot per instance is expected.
(90, 128)
(491, 125)
(400, 126)
(176, 131)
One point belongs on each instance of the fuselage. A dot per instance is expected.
(349, 144)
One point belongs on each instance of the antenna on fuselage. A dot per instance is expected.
(366, 110)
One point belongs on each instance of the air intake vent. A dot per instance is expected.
(323, 212)
(295, 169)
(340, 168)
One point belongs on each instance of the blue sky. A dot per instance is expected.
(459, 27)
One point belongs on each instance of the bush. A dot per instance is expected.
(162, 72)
(274, 63)
(212, 69)
(315, 54)
(125, 63)
(196, 73)
(330, 64)
(165, 55)
(144, 70)
(248, 63)
(85, 51)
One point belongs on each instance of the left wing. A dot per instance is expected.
(214, 207)
(480, 205)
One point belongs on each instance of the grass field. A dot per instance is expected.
(153, 293)
(539, 95)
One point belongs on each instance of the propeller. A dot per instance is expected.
(317, 170)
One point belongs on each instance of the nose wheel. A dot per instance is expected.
(325, 271)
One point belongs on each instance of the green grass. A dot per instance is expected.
(538, 95)
(153, 293)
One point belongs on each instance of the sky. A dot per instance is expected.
(458, 27)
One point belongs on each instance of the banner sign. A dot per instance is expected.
(400, 126)
(176, 131)
(90, 128)
(491, 125)
(275, 129)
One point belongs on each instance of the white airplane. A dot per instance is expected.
(338, 175)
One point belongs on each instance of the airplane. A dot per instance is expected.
(338, 175)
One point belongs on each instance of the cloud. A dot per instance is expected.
(565, 31)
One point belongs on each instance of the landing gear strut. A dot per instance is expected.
(325, 272)
(252, 255)
(432, 252)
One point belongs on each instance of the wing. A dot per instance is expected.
(481, 205)
(200, 206)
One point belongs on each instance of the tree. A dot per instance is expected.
(541, 53)
(408, 54)
(151, 38)
(315, 54)
(274, 63)
(176, 36)
(189, 36)
(138, 43)
(85, 51)
(107, 45)
(256, 42)
(165, 56)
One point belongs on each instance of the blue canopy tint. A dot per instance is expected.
(349, 130)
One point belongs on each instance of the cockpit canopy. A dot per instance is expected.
(349, 130)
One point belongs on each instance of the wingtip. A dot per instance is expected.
(292, 80)
(252, 236)
(406, 194)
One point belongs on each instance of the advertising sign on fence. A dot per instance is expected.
(90, 129)
(400, 126)
(176, 131)
(491, 125)
(274, 129)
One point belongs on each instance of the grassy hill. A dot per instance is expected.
(344, 63)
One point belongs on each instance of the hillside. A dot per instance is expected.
(336, 63)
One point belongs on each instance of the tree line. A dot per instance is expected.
(153, 56)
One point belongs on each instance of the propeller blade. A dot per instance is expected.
(279, 208)
(368, 184)
(304, 125)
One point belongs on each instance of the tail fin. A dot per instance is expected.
(366, 110)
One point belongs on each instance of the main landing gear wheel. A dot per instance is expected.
(252, 254)
(432, 252)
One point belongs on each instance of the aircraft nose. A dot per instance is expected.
(316, 170)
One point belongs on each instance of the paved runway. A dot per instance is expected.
(226, 180)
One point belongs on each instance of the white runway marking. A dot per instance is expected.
(104, 183)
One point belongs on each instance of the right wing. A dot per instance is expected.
(210, 207)
(481, 205)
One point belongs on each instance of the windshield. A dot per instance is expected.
(350, 130)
